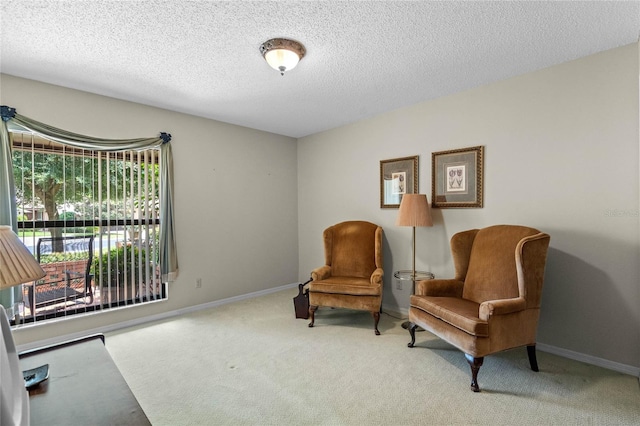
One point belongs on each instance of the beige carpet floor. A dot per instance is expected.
(252, 363)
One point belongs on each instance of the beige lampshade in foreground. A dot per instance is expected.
(17, 264)
(414, 211)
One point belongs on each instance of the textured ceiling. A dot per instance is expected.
(363, 57)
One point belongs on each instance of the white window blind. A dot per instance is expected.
(92, 220)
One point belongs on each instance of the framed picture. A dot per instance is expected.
(398, 176)
(456, 178)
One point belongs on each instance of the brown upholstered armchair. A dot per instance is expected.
(352, 275)
(493, 303)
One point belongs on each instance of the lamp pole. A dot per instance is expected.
(414, 211)
(413, 266)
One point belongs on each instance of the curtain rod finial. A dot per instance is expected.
(166, 137)
(7, 112)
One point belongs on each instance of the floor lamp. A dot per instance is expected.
(17, 266)
(414, 211)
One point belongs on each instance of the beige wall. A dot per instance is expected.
(235, 198)
(561, 148)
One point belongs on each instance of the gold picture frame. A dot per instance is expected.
(398, 176)
(457, 178)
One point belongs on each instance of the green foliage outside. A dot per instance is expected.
(53, 180)
(29, 233)
(67, 216)
(63, 257)
(116, 268)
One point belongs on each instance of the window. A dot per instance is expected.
(92, 220)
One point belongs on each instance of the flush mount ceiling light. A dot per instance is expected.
(282, 54)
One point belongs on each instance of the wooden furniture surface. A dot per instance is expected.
(84, 387)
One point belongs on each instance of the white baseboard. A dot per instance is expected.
(393, 311)
(589, 359)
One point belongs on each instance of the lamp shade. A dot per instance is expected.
(17, 264)
(414, 211)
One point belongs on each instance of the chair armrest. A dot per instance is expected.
(72, 275)
(501, 307)
(439, 288)
(376, 277)
(321, 273)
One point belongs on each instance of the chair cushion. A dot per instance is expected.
(460, 313)
(346, 285)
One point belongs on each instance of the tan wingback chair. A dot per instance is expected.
(493, 303)
(352, 275)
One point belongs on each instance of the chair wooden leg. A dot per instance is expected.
(376, 320)
(412, 331)
(531, 351)
(312, 314)
(475, 364)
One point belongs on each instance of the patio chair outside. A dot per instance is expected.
(68, 266)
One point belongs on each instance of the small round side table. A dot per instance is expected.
(407, 275)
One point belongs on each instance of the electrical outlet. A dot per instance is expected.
(199, 283)
(398, 285)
